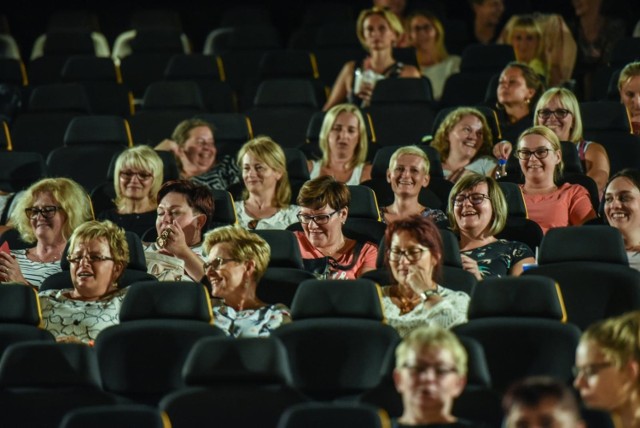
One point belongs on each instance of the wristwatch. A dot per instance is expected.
(425, 295)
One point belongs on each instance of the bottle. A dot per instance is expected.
(501, 170)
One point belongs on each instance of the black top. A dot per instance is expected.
(137, 223)
(460, 423)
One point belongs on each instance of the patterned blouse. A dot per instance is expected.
(35, 272)
(449, 312)
(497, 258)
(222, 175)
(250, 322)
(434, 214)
(280, 220)
(81, 319)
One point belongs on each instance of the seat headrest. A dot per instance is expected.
(19, 305)
(515, 200)
(405, 91)
(167, 299)
(216, 360)
(173, 95)
(603, 244)
(356, 298)
(69, 364)
(285, 250)
(137, 260)
(192, 66)
(286, 92)
(363, 203)
(604, 116)
(59, 97)
(97, 129)
(532, 296)
(450, 249)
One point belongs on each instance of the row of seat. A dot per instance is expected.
(336, 348)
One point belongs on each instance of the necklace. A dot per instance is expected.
(337, 248)
(41, 260)
(405, 303)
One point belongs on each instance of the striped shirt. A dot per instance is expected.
(35, 272)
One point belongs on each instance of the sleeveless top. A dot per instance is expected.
(393, 71)
(353, 180)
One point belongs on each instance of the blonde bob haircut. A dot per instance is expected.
(441, 140)
(243, 246)
(360, 155)
(324, 191)
(529, 25)
(441, 50)
(496, 198)
(141, 158)
(387, 15)
(410, 151)
(114, 235)
(70, 197)
(432, 337)
(269, 152)
(567, 100)
(618, 337)
(629, 71)
(552, 138)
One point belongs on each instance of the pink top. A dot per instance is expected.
(367, 258)
(569, 205)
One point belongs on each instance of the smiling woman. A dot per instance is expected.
(194, 146)
(46, 215)
(267, 195)
(464, 142)
(98, 253)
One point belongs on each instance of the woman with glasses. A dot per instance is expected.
(519, 88)
(98, 254)
(266, 200)
(378, 30)
(426, 35)
(46, 215)
(477, 212)
(430, 373)
(236, 260)
(464, 142)
(558, 109)
(414, 257)
(194, 147)
(343, 143)
(607, 370)
(548, 204)
(325, 250)
(137, 178)
(184, 213)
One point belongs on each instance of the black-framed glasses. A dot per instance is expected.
(216, 263)
(91, 258)
(474, 198)
(142, 176)
(439, 371)
(317, 219)
(590, 369)
(539, 153)
(47, 211)
(560, 113)
(412, 254)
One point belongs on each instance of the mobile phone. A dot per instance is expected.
(5, 247)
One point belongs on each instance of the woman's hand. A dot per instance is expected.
(366, 89)
(10, 269)
(470, 265)
(168, 145)
(419, 279)
(502, 150)
(176, 242)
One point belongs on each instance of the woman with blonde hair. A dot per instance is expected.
(344, 144)
(607, 370)
(137, 178)
(266, 202)
(629, 88)
(464, 142)
(525, 35)
(236, 261)
(379, 31)
(46, 214)
(548, 204)
(426, 34)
